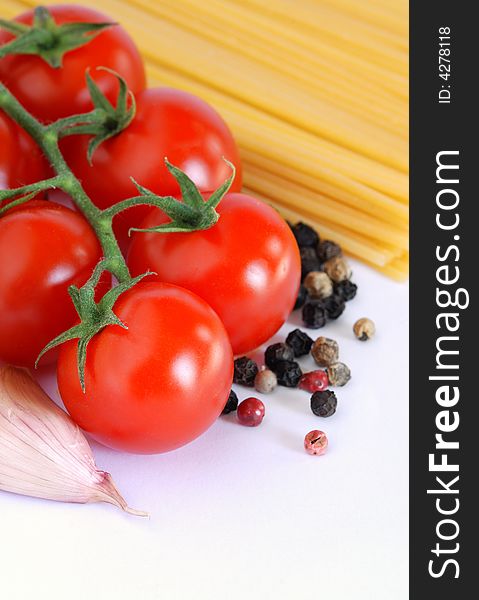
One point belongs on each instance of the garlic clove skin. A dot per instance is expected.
(43, 453)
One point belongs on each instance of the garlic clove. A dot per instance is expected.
(42, 452)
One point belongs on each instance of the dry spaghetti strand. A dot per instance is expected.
(316, 94)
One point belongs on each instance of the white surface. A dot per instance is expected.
(245, 513)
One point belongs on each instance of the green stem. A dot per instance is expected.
(17, 202)
(47, 138)
(46, 184)
(166, 203)
(63, 124)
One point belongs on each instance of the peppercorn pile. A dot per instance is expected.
(281, 367)
(325, 289)
(326, 283)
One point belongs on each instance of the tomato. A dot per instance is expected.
(246, 267)
(168, 123)
(160, 383)
(44, 248)
(50, 93)
(21, 160)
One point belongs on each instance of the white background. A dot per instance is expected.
(245, 513)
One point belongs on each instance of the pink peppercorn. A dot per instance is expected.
(315, 442)
(314, 381)
(250, 412)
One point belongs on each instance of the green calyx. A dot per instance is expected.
(93, 316)
(105, 120)
(192, 213)
(26, 193)
(14, 203)
(46, 39)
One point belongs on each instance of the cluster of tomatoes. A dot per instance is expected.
(218, 292)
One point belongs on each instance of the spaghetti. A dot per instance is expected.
(316, 94)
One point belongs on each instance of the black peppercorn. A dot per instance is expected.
(334, 306)
(314, 314)
(323, 404)
(231, 404)
(276, 353)
(245, 371)
(305, 235)
(345, 289)
(328, 249)
(301, 298)
(288, 373)
(300, 342)
(309, 261)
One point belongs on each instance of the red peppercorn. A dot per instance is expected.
(250, 412)
(316, 442)
(315, 381)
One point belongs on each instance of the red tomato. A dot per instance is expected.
(168, 123)
(246, 267)
(50, 93)
(21, 160)
(160, 383)
(44, 248)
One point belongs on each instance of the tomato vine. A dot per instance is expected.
(104, 121)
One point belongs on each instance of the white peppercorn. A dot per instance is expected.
(338, 374)
(364, 329)
(337, 268)
(318, 284)
(325, 351)
(265, 381)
